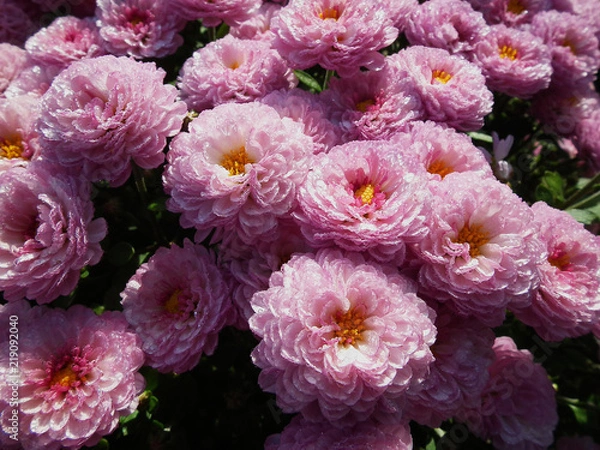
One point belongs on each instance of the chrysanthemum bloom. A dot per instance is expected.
(18, 135)
(449, 24)
(584, 8)
(567, 302)
(341, 338)
(12, 61)
(452, 89)
(48, 234)
(238, 167)
(78, 374)
(399, 11)
(177, 302)
(514, 62)
(440, 150)
(463, 352)
(257, 27)
(100, 114)
(15, 25)
(34, 79)
(79, 8)
(482, 251)
(573, 44)
(233, 70)
(251, 265)
(518, 405)
(139, 28)
(310, 111)
(587, 138)
(510, 12)
(65, 40)
(212, 13)
(373, 105)
(301, 434)
(561, 110)
(362, 196)
(340, 35)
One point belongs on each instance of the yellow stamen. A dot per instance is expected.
(235, 161)
(567, 43)
(172, 304)
(351, 327)
(11, 148)
(508, 52)
(365, 193)
(441, 76)
(474, 236)
(440, 167)
(515, 7)
(65, 377)
(330, 13)
(559, 259)
(364, 105)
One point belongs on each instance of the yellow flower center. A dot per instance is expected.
(507, 51)
(330, 13)
(567, 43)
(11, 148)
(235, 161)
(515, 7)
(172, 304)
(439, 167)
(441, 76)
(364, 105)
(559, 259)
(65, 377)
(365, 193)
(474, 236)
(350, 326)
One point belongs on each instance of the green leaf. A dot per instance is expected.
(476, 136)
(308, 80)
(126, 419)
(583, 216)
(551, 188)
(580, 414)
(431, 446)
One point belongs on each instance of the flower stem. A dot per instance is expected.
(579, 197)
(140, 185)
(328, 75)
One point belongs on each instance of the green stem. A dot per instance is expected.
(328, 75)
(140, 185)
(212, 33)
(579, 197)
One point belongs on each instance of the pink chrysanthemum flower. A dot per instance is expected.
(574, 47)
(518, 405)
(463, 352)
(139, 28)
(310, 111)
(18, 135)
(65, 40)
(301, 434)
(15, 25)
(251, 266)
(514, 62)
(452, 89)
(13, 60)
(362, 196)
(482, 251)
(584, 8)
(440, 150)
(562, 110)
(232, 12)
(238, 167)
(373, 105)
(567, 302)
(452, 25)
(510, 12)
(257, 27)
(101, 114)
(34, 80)
(233, 70)
(400, 11)
(340, 338)
(79, 8)
(340, 35)
(78, 374)
(177, 302)
(587, 138)
(48, 234)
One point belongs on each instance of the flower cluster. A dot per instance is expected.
(310, 175)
